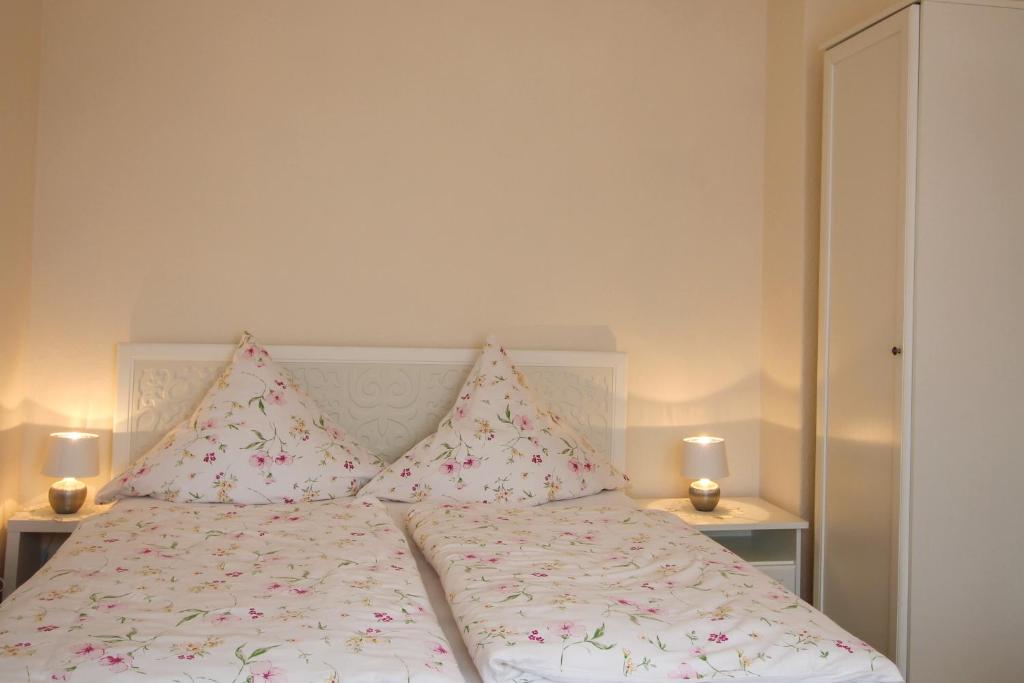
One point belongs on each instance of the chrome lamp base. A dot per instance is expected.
(705, 498)
(67, 499)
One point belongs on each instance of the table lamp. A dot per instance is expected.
(704, 458)
(70, 455)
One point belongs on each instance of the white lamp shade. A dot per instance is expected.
(73, 454)
(704, 457)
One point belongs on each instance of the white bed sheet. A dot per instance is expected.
(217, 593)
(436, 593)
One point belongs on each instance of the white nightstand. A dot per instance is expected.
(32, 538)
(764, 535)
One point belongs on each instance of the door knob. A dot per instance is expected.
(897, 350)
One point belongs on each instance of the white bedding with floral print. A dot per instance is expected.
(578, 593)
(195, 593)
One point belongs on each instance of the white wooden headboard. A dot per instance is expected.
(389, 398)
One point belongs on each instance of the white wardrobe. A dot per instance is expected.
(919, 539)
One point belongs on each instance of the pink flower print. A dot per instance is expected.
(48, 627)
(470, 462)
(717, 637)
(276, 397)
(280, 383)
(265, 672)
(251, 351)
(116, 663)
(254, 613)
(440, 649)
(348, 465)
(121, 570)
(89, 650)
(626, 603)
(206, 425)
(335, 433)
(536, 459)
(383, 617)
(449, 466)
(301, 591)
(406, 472)
(210, 457)
(460, 412)
(574, 465)
(283, 458)
(233, 575)
(843, 646)
(259, 460)
(535, 636)
(523, 422)
(588, 466)
(223, 618)
(566, 629)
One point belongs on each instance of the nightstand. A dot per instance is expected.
(33, 536)
(764, 535)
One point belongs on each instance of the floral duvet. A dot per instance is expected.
(611, 593)
(195, 593)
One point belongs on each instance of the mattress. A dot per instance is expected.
(308, 593)
(584, 592)
(435, 590)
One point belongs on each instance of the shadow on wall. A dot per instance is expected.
(657, 428)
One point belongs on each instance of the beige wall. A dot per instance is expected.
(568, 174)
(19, 70)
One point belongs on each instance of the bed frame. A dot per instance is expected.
(388, 398)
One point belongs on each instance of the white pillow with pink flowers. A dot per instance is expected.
(256, 437)
(497, 445)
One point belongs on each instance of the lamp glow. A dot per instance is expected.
(704, 458)
(71, 455)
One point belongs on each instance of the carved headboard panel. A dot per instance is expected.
(389, 398)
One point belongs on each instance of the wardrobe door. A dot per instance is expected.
(967, 586)
(870, 80)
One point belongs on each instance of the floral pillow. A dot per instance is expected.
(256, 437)
(497, 445)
